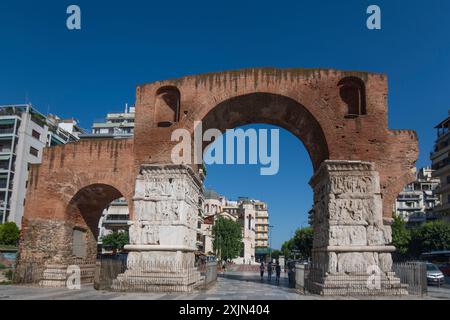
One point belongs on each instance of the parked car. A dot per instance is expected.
(434, 275)
(440, 259)
(445, 268)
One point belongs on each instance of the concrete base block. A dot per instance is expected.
(158, 281)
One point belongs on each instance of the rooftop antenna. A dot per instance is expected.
(126, 107)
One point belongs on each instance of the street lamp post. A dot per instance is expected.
(270, 241)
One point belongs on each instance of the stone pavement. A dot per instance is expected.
(231, 286)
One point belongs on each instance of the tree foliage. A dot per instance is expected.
(401, 237)
(9, 234)
(300, 244)
(430, 236)
(227, 236)
(116, 240)
(276, 254)
(410, 243)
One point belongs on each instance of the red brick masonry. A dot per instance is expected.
(76, 181)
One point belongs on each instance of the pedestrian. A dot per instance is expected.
(278, 272)
(269, 271)
(261, 270)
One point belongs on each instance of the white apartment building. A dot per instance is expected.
(118, 125)
(24, 133)
(114, 218)
(251, 214)
(416, 202)
(261, 229)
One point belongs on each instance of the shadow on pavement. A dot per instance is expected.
(284, 283)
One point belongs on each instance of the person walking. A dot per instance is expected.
(269, 271)
(278, 271)
(261, 270)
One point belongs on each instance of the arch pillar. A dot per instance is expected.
(163, 232)
(351, 246)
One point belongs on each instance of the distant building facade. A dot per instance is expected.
(251, 214)
(417, 201)
(440, 159)
(118, 125)
(24, 133)
(114, 218)
(261, 230)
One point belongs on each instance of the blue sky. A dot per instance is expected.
(86, 73)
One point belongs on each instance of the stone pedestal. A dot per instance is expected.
(351, 251)
(163, 232)
(56, 275)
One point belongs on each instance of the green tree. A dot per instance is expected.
(300, 244)
(430, 236)
(401, 238)
(286, 248)
(9, 234)
(116, 240)
(276, 254)
(227, 236)
(303, 242)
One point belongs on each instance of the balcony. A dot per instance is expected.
(408, 198)
(408, 209)
(3, 184)
(439, 151)
(119, 202)
(7, 131)
(116, 220)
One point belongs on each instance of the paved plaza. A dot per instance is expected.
(231, 286)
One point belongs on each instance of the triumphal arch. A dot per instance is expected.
(341, 118)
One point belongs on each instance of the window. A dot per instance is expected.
(448, 179)
(167, 106)
(34, 152)
(36, 134)
(353, 94)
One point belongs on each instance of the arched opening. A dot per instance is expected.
(271, 109)
(281, 201)
(353, 93)
(95, 212)
(258, 203)
(167, 106)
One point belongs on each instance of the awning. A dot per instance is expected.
(262, 251)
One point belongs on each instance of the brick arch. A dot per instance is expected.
(364, 137)
(54, 185)
(307, 102)
(83, 213)
(87, 205)
(271, 109)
